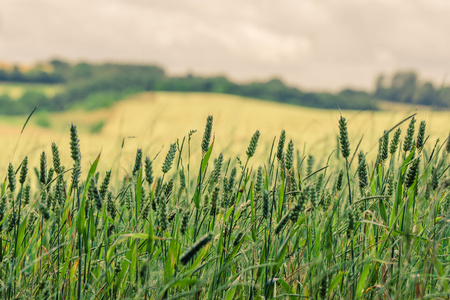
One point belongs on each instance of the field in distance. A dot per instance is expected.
(17, 90)
(153, 120)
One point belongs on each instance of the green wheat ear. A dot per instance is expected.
(215, 175)
(111, 206)
(289, 161)
(182, 179)
(43, 205)
(312, 197)
(339, 180)
(259, 183)
(281, 145)
(362, 171)
(11, 178)
(434, 179)
(213, 203)
(421, 135)
(148, 170)
(253, 144)
(137, 162)
(228, 184)
(309, 165)
(184, 222)
(75, 154)
(207, 135)
(43, 170)
(56, 159)
(105, 184)
(95, 194)
(162, 213)
(74, 144)
(407, 144)
(412, 173)
(11, 222)
(169, 158)
(128, 196)
(395, 141)
(169, 188)
(50, 174)
(343, 138)
(319, 183)
(295, 212)
(385, 146)
(26, 194)
(282, 223)
(23, 171)
(195, 248)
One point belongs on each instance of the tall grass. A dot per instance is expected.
(293, 226)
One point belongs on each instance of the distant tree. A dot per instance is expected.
(59, 65)
(16, 75)
(380, 88)
(81, 70)
(443, 97)
(425, 94)
(3, 75)
(403, 86)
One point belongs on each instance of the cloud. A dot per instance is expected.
(311, 43)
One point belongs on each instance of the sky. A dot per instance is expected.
(312, 44)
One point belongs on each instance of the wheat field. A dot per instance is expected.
(154, 120)
(131, 202)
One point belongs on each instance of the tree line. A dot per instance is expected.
(407, 87)
(99, 85)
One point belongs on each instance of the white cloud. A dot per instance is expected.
(312, 43)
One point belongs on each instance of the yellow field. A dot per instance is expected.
(157, 119)
(16, 90)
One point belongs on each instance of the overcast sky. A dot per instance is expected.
(314, 44)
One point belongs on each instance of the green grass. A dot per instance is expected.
(277, 223)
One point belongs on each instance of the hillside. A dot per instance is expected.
(99, 85)
(153, 119)
(59, 86)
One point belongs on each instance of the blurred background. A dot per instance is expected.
(153, 71)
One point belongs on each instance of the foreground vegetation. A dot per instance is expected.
(282, 227)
